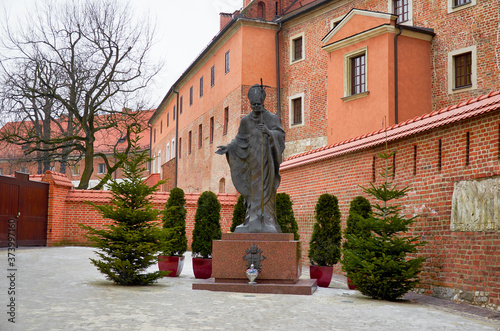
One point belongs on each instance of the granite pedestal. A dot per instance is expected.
(280, 270)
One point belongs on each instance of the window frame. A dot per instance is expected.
(451, 69)
(348, 95)
(227, 62)
(200, 135)
(172, 151)
(391, 9)
(190, 141)
(201, 86)
(225, 127)
(75, 170)
(292, 48)
(212, 76)
(191, 92)
(180, 105)
(99, 168)
(291, 110)
(454, 8)
(212, 124)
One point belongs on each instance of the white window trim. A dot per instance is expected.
(452, 10)
(172, 151)
(291, 48)
(390, 9)
(335, 21)
(99, 170)
(347, 74)
(451, 69)
(290, 110)
(167, 154)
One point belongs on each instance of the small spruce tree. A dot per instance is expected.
(174, 218)
(132, 242)
(238, 213)
(285, 215)
(377, 261)
(324, 246)
(206, 225)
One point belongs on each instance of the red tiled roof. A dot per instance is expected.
(58, 178)
(463, 110)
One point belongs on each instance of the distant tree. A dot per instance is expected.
(324, 246)
(68, 73)
(286, 216)
(239, 212)
(133, 241)
(206, 225)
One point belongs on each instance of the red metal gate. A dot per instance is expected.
(23, 210)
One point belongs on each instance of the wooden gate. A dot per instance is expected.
(23, 210)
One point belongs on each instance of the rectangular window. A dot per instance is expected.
(180, 105)
(191, 96)
(101, 168)
(200, 136)
(190, 136)
(154, 135)
(467, 149)
(226, 62)
(173, 114)
(76, 169)
(201, 86)
(180, 147)
(161, 125)
(463, 70)
(358, 74)
(212, 129)
(297, 111)
(226, 120)
(457, 3)
(402, 9)
(212, 76)
(297, 49)
(168, 119)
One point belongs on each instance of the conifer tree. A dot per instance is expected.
(285, 215)
(359, 210)
(131, 244)
(206, 225)
(324, 246)
(174, 219)
(377, 261)
(239, 212)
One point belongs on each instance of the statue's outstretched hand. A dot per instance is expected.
(221, 150)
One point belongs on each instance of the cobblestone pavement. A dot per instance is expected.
(56, 288)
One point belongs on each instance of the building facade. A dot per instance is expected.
(335, 70)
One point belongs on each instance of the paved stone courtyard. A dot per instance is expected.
(56, 288)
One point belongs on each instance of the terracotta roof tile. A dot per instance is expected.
(451, 114)
(58, 178)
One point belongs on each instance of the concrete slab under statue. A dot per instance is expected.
(254, 157)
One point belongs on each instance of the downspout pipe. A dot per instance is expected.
(176, 138)
(278, 91)
(396, 91)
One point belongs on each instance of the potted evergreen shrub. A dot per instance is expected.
(324, 246)
(174, 220)
(239, 212)
(359, 211)
(132, 242)
(377, 262)
(206, 229)
(285, 215)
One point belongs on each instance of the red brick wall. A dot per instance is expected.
(69, 207)
(467, 261)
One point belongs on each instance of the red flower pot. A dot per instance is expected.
(322, 274)
(202, 268)
(173, 264)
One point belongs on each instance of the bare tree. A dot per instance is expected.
(75, 66)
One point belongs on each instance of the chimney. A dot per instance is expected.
(224, 19)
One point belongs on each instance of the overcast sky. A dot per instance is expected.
(184, 28)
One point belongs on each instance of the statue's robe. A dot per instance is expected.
(255, 170)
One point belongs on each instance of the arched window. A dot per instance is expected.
(222, 185)
(261, 10)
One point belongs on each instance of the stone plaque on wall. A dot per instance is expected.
(475, 205)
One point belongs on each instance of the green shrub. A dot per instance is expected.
(360, 210)
(206, 225)
(285, 215)
(239, 212)
(174, 218)
(132, 242)
(324, 247)
(377, 260)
